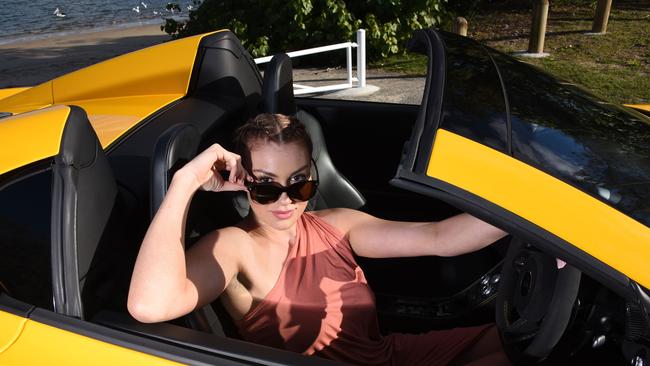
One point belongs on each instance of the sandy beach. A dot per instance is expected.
(33, 62)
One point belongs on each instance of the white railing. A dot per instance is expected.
(361, 65)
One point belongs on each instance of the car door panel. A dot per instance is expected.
(11, 326)
(41, 344)
(471, 162)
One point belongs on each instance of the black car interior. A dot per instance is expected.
(103, 201)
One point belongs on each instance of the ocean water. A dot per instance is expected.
(34, 19)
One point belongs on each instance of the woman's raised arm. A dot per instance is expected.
(166, 283)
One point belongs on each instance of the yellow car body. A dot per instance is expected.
(123, 94)
(34, 133)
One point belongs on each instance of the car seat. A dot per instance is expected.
(89, 231)
(173, 149)
(179, 144)
(334, 189)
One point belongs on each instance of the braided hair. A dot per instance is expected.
(268, 127)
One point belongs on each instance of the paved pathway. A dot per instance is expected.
(392, 87)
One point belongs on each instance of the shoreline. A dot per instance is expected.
(31, 62)
(27, 38)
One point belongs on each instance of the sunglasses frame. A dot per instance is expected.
(283, 189)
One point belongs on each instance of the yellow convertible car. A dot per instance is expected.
(86, 158)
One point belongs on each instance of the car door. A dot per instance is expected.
(56, 221)
(519, 149)
(33, 328)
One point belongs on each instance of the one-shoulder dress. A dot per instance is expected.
(322, 305)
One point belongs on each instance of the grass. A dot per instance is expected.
(614, 66)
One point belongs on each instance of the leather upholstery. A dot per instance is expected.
(175, 147)
(84, 194)
(277, 87)
(334, 189)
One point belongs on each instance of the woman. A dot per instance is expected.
(288, 278)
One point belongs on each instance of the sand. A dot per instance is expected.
(33, 62)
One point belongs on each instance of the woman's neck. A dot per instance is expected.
(269, 233)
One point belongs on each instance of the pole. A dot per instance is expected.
(361, 57)
(538, 29)
(602, 16)
(348, 63)
(460, 26)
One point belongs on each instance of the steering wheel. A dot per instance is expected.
(534, 302)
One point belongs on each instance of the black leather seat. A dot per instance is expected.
(90, 240)
(173, 149)
(179, 144)
(334, 189)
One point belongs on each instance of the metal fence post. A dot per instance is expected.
(460, 26)
(348, 63)
(538, 29)
(361, 57)
(602, 16)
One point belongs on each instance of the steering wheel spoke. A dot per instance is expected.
(521, 327)
(534, 301)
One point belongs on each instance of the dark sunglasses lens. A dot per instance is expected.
(302, 191)
(265, 193)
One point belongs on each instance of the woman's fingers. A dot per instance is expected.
(211, 162)
(233, 166)
(229, 186)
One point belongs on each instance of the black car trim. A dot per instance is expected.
(434, 112)
(25, 171)
(516, 225)
(505, 100)
(228, 347)
(309, 104)
(197, 78)
(213, 41)
(196, 67)
(16, 307)
(198, 62)
(57, 256)
(643, 297)
(5, 114)
(433, 92)
(123, 339)
(176, 343)
(128, 133)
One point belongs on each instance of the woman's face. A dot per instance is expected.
(285, 164)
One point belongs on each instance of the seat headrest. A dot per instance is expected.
(175, 147)
(277, 87)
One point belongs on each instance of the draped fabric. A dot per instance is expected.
(322, 305)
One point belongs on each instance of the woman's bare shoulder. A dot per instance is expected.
(340, 218)
(230, 239)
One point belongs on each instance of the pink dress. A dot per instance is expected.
(322, 305)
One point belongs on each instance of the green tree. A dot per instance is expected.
(269, 26)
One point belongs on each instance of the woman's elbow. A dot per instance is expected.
(143, 312)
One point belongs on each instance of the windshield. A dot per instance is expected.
(598, 147)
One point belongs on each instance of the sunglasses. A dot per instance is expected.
(269, 192)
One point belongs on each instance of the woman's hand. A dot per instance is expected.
(204, 170)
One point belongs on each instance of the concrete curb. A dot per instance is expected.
(353, 92)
